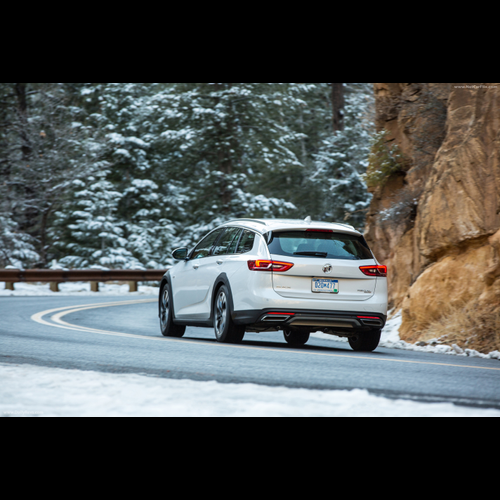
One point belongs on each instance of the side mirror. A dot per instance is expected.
(180, 253)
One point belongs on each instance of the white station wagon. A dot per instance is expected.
(261, 275)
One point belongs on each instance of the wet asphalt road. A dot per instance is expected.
(126, 339)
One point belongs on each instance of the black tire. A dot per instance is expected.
(365, 341)
(225, 330)
(296, 338)
(167, 325)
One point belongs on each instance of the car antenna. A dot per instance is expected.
(308, 219)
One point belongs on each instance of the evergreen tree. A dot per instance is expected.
(137, 229)
(313, 120)
(134, 120)
(231, 145)
(95, 234)
(17, 249)
(149, 234)
(47, 147)
(343, 158)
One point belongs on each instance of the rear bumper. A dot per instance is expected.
(257, 294)
(341, 321)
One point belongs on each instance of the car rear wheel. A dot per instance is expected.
(225, 329)
(365, 341)
(167, 325)
(296, 338)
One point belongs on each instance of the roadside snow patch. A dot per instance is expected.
(27, 390)
(78, 288)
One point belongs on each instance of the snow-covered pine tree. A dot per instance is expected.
(230, 146)
(134, 121)
(312, 119)
(137, 214)
(150, 236)
(17, 249)
(47, 147)
(94, 235)
(343, 159)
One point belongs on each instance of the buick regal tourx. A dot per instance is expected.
(260, 275)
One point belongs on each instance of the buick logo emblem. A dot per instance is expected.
(327, 268)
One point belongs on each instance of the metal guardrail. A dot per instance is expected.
(95, 276)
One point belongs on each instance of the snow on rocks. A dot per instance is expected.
(390, 339)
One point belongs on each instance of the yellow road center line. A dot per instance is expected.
(63, 311)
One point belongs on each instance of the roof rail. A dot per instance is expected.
(248, 220)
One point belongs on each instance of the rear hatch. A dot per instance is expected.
(326, 265)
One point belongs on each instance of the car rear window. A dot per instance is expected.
(319, 244)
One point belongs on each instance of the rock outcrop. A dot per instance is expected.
(436, 221)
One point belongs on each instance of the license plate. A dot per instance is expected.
(325, 285)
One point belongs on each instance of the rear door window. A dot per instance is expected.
(228, 241)
(319, 244)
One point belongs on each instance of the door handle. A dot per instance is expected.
(220, 262)
(196, 266)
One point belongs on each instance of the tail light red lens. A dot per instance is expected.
(374, 270)
(269, 265)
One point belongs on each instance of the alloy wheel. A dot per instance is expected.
(221, 313)
(165, 305)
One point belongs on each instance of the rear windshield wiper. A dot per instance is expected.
(312, 254)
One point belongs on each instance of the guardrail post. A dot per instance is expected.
(132, 286)
(9, 286)
(54, 286)
(94, 286)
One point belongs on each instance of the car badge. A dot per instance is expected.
(327, 268)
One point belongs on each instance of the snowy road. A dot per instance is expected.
(114, 335)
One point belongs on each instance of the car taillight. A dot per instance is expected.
(319, 230)
(374, 270)
(269, 265)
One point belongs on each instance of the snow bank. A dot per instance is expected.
(27, 390)
(390, 338)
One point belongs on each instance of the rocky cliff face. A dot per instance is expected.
(436, 221)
